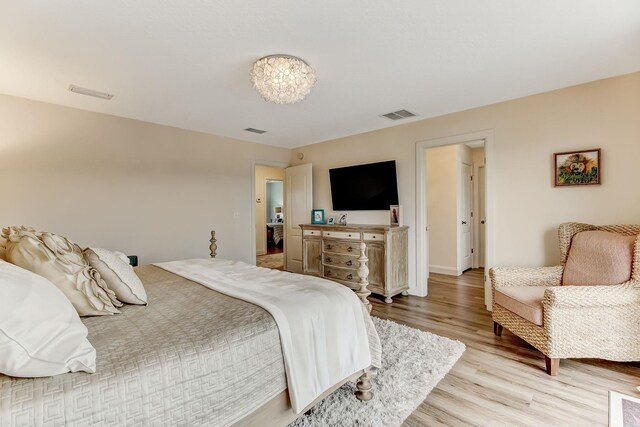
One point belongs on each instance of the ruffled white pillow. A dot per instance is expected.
(62, 262)
(40, 332)
(116, 271)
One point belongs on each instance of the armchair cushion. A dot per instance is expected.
(525, 301)
(599, 258)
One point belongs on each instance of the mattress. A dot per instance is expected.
(193, 356)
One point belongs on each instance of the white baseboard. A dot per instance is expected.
(441, 269)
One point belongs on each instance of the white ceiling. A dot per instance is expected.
(186, 63)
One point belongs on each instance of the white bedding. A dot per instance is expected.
(325, 332)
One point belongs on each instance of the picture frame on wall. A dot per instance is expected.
(317, 216)
(577, 168)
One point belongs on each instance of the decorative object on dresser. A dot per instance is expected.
(317, 216)
(395, 215)
(331, 220)
(331, 251)
(342, 219)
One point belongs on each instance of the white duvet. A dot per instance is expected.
(325, 332)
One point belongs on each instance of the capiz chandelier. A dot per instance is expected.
(282, 79)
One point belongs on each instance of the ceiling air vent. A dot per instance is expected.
(258, 131)
(89, 92)
(399, 115)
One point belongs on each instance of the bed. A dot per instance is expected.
(277, 232)
(193, 356)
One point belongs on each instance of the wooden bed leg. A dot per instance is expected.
(497, 329)
(213, 247)
(553, 364)
(364, 391)
(363, 275)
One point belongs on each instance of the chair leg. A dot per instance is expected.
(552, 365)
(497, 329)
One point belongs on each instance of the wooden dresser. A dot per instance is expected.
(331, 251)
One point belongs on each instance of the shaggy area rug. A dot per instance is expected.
(275, 261)
(413, 362)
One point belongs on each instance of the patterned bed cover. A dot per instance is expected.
(192, 357)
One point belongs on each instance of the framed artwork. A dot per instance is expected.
(331, 220)
(395, 215)
(623, 410)
(577, 168)
(342, 219)
(317, 216)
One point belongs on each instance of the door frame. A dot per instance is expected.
(422, 248)
(476, 215)
(272, 164)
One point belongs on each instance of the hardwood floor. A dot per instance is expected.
(501, 380)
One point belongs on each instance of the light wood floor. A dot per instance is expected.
(501, 380)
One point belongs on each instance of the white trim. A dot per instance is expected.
(255, 163)
(422, 250)
(441, 269)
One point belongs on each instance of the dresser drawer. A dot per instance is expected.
(378, 237)
(312, 232)
(344, 274)
(342, 235)
(340, 260)
(341, 247)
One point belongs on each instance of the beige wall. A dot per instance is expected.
(263, 173)
(442, 205)
(145, 189)
(527, 132)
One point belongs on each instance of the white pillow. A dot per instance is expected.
(62, 262)
(115, 270)
(40, 331)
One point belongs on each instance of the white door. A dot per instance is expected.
(482, 215)
(298, 201)
(466, 236)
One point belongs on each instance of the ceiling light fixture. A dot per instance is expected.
(282, 79)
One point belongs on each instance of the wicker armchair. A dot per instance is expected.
(577, 321)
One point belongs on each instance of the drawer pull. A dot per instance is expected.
(328, 246)
(328, 259)
(350, 276)
(349, 263)
(349, 249)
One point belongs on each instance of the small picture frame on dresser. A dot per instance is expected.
(342, 219)
(395, 215)
(317, 216)
(331, 220)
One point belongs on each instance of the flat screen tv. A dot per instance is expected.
(370, 187)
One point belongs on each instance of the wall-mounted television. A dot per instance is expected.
(370, 187)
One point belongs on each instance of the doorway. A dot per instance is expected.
(450, 194)
(453, 227)
(269, 216)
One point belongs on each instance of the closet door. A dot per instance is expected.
(298, 201)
